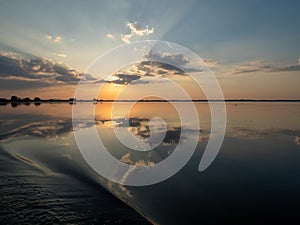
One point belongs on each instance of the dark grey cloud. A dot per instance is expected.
(156, 65)
(17, 72)
(159, 68)
(168, 58)
(177, 60)
(124, 78)
(142, 72)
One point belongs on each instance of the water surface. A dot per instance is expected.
(254, 179)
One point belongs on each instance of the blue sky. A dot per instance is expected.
(240, 38)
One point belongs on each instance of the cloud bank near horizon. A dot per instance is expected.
(17, 72)
(264, 66)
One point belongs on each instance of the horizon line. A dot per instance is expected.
(37, 99)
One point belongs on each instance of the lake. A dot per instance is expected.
(255, 177)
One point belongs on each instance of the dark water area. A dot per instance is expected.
(43, 178)
(255, 178)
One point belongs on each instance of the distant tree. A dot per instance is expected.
(36, 99)
(14, 98)
(27, 99)
(14, 104)
(3, 101)
(72, 100)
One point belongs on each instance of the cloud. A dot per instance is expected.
(47, 129)
(61, 55)
(295, 67)
(153, 68)
(139, 29)
(54, 38)
(126, 38)
(120, 78)
(210, 63)
(264, 66)
(19, 72)
(110, 36)
(136, 29)
(126, 159)
(11, 55)
(89, 77)
(99, 81)
(144, 73)
(249, 67)
(140, 163)
(166, 57)
(259, 133)
(140, 128)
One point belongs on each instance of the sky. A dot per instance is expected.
(252, 47)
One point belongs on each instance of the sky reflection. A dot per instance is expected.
(257, 167)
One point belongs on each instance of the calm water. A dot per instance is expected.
(254, 179)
